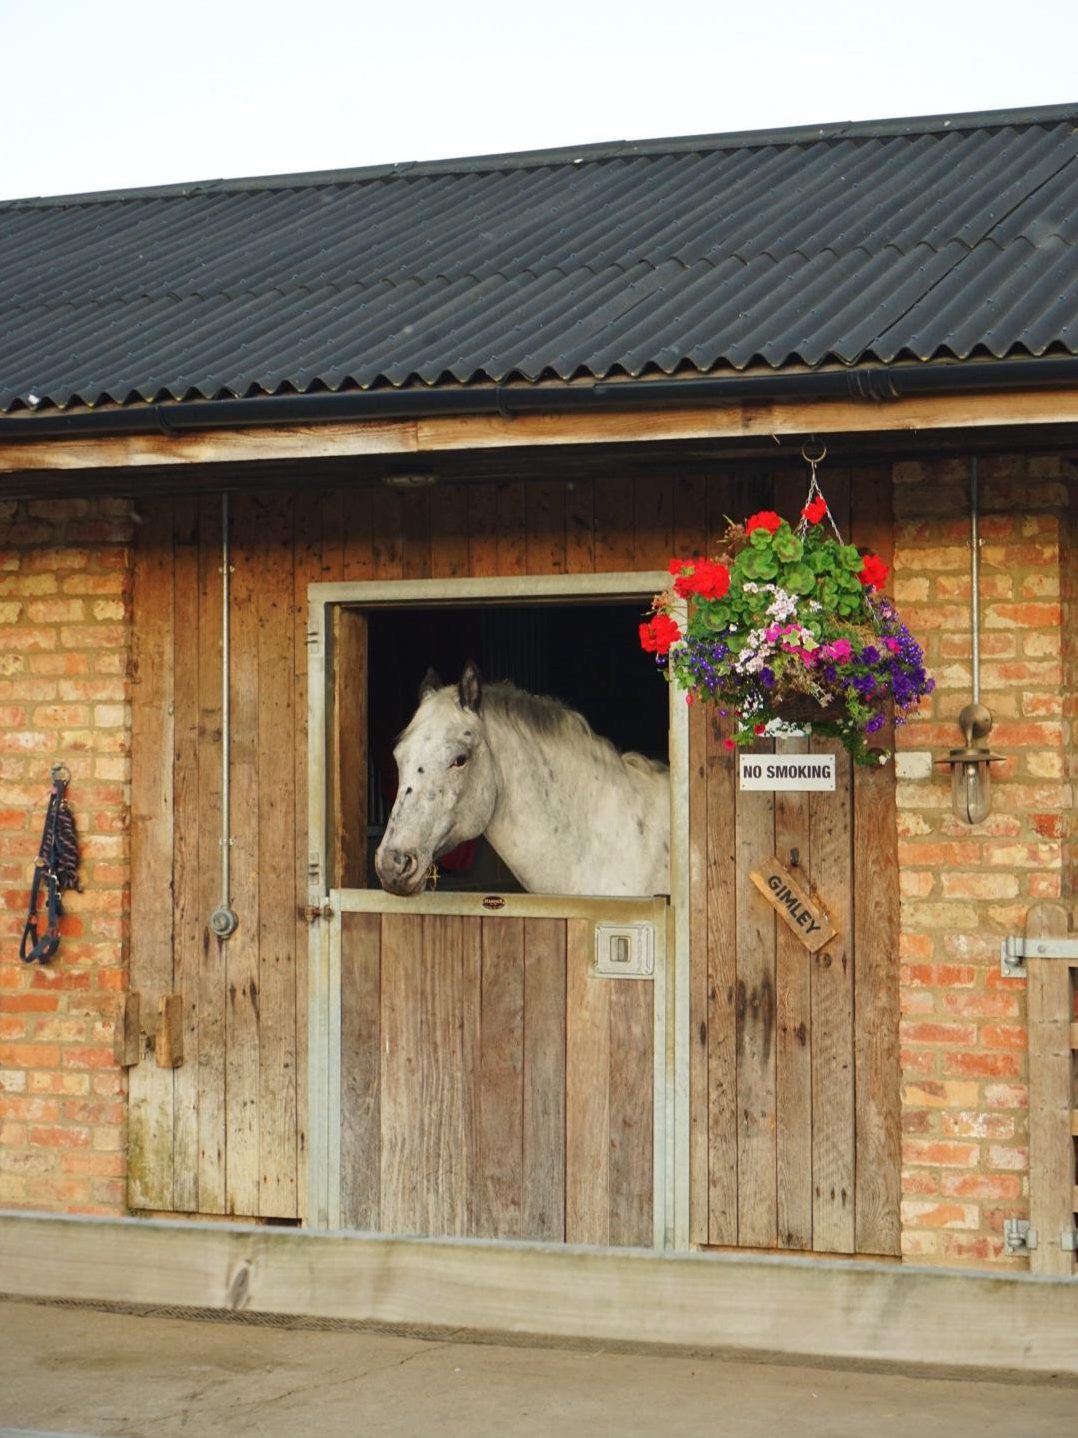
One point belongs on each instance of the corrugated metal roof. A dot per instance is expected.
(943, 237)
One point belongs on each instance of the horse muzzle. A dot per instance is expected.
(400, 872)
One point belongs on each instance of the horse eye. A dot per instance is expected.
(459, 762)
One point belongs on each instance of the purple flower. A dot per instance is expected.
(876, 722)
(870, 654)
(767, 677)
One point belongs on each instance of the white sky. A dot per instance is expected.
(110, 95)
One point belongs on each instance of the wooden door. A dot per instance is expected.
(795, 1141)
(491, 1084)
(216, 1126)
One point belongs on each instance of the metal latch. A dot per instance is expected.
(1014, 951)
(624, 951)
(1019, 1236)
(313, 912)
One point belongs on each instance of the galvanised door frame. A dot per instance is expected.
(671, 986)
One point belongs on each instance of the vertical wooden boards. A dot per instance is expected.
(449, 531)
(587, 1092)
(832, 1020)
(307, 569)
(756, 1022)
(446, 1140)
(348, 752)
(361, 1139)
(387, 535)
(615, 527)
(150, 1158)
(698, 980)
(631, 1107)
(188, 921)
(500, 1080)
(802, 1146)
(211, 975)
(403, 1179)
(277, 825)
(543, 1117)
(1052, 1096)
(580, 526)
(653, 521)
(874, 883)
(722, 993)
(545, 541)
(511, 535)
(833, 1074)
(241, 951)
(793, 1033)
(415, 531)
(483, 529)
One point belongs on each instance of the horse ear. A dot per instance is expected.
(429, 684)
(471, 688)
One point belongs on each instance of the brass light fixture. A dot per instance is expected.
(971, 773)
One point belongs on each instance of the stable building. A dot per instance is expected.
(269, 448)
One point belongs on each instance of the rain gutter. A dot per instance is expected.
(871, 384)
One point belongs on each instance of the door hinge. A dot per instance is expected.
(1015, 950)
(313, 912)
(1019, 1236)
(1068, 1240)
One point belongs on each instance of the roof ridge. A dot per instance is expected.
(577, 154)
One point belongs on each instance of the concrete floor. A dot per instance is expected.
(66, 1371)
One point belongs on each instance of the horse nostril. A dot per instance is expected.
(407, 864)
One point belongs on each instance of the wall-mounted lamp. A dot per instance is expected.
(971, 773)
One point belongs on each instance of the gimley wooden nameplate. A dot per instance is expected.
(808, 919)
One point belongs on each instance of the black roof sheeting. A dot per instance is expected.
(943, 237)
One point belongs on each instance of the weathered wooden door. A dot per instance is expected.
(491, 1083)
(794, 1065)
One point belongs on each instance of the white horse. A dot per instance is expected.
(565, 811)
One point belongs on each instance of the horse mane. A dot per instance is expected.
(539, 716)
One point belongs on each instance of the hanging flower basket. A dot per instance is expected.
(789, 627)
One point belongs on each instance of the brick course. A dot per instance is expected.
(64, 640)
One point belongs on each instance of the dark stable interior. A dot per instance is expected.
(587, 655)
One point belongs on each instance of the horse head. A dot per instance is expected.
(447, 782)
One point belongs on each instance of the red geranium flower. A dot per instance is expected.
(710, 581)
(815, 511)
(765, 519)
(873, 571)
(679, 566)
(658, 634)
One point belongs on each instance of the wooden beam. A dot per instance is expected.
(819, 1310)
(1050, 999)
(726, 421)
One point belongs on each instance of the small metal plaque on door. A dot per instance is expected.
(624, 951)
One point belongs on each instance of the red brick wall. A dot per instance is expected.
(964, 1058)
(64, 633)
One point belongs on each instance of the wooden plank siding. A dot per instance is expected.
(797, 1054)
(772, 1036)
(491, 1087)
